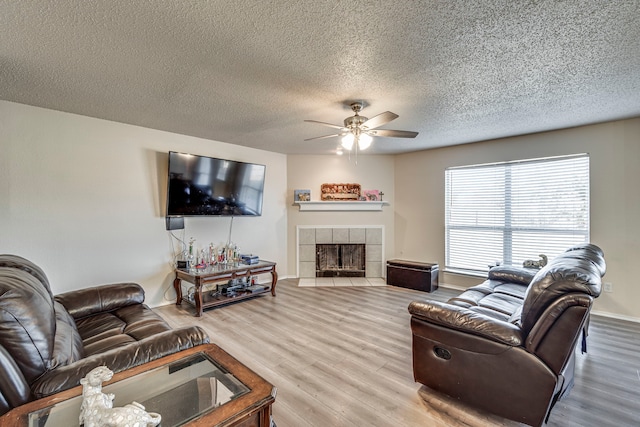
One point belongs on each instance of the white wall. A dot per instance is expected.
(372, 172)
(84, 199)
(614, 150)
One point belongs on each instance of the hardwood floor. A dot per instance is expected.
(341, 356)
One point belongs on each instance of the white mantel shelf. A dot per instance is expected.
(341, 206)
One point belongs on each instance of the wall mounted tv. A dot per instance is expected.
(206, 186)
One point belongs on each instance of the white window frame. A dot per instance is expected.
(471, 244)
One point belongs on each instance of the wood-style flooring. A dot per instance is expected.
(341, 356)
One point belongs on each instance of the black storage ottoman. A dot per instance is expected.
(420, 276)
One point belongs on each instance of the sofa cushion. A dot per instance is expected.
(502, 303)
(14, 389)
(492, 295)
(108, 343)
(589, 252)
(106, 331)
(137, 320)
(491, 313)
(99, 327)
(67, 346)
(27, 320)
(142, 322)
(512, 289)
(516, 317)
(119, 358)
(19, 263)
(471, 297)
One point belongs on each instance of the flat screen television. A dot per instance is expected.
(206, 186)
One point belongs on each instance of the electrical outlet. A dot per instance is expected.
(608, 287)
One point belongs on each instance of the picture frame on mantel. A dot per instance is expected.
(371, 195)
(340, 192)
(301, 195)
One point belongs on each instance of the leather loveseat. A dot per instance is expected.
(47, 343)
(507, 346)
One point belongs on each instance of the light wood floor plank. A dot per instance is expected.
(341, 356)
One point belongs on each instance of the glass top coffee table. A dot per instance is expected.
(199, 386)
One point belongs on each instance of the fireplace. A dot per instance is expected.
(340, 260)
(371, 237)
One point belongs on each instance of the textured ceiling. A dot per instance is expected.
(249, 72)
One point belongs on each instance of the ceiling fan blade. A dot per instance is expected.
(379, 120)
(326, 124)
(393, 133)
(322, 137)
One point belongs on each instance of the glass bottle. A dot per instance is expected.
(191, 256)
(212, 254)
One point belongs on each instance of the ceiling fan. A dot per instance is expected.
(360, 130)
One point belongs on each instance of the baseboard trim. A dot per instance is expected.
(615, 316)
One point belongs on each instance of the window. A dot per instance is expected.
(511, 212)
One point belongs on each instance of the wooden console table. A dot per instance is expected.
(221, 273)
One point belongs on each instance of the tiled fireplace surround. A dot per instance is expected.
(308, 236)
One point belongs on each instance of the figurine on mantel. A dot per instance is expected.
(97, 407)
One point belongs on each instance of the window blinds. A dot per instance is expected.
(511, 212)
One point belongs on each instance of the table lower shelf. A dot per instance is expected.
(213, 299)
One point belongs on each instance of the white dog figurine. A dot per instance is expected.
(97, 408)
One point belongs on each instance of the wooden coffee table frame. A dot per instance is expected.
(251, 409)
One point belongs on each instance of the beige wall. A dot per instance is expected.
(614, 150)
(84, 199)
(310, 172)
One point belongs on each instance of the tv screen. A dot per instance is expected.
(201, 185)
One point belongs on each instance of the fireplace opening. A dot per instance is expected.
(340, 260)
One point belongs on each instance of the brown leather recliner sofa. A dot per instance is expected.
(507, 346)
(47, 343)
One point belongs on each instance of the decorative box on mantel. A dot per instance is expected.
(341, 206)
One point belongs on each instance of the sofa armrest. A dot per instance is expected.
(512, 274)
(466, 320)
(120, 359)
(89, 301)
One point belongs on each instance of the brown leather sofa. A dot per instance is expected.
(508, 345)
(47, 343)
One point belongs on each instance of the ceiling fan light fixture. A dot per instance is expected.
(347, 141)
(360, 130)
(364, 141)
